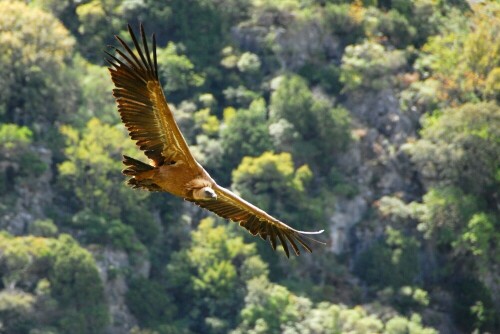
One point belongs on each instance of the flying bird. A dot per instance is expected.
(172, 168)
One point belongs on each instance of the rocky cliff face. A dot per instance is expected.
(375, 164)
(30, 196)
(293, 41)
(113, 267)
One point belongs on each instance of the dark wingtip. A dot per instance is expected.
(155, 61)
(131, 31)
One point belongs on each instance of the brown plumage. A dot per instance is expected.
(145, 112)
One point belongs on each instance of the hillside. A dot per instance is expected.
(378, 121)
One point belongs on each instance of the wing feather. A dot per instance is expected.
(272, 235)
(230, 206)
(142, 104)
(283, 243)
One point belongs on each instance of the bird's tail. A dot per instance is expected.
(136, 169)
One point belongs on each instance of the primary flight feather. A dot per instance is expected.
(150, 122)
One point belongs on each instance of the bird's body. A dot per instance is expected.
(175, 180)
(172, 168)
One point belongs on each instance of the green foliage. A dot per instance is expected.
(240, 96)
(43, 228)
(211, 273)
(424, 15)
(93, 156)
(15, 260)
(34, 49)
(51, 279)
(458, 156)
(333, 131)
(16, 311)
(205, 36)
(443, 212)
(460, 146)
(462, 60)
(369, 66)
(208, 150)
(344, 21)
(21, 160)
(401, 325)
(14, 137)
(107, 208)
(473, 308)
(271, 181)
(340, 184)
(277, 5)
(454, 221)
(149, 302)
(268, 305)
(468, 140)
(392, 25)
(209, 124)
(76, 285)
(420, 96)
(271, 308)
(479, 234)
(245, 134)
(96, 101)
(177, 71)
(93, 22)
(305, 125)
(292, 101)
(248, 62)
(96, 20)
(406, 299)
(327, 77)
(392, 262)
(107, 232)
(16, 151)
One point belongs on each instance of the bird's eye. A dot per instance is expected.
(172, 162)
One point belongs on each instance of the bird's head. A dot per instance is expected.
(205, 193)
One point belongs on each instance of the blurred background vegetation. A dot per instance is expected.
(377, 120)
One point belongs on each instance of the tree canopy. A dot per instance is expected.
(375, 120)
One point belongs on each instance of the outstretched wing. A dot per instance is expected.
(230, 206)
(142, 104)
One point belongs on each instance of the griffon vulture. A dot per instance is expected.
(172, 168)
